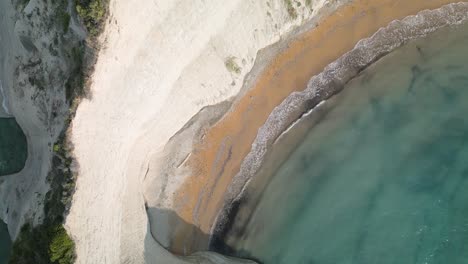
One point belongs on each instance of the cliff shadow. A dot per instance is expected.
(176, 235)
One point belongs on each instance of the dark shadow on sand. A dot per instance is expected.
(184, 238)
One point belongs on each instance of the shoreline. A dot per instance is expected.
(321, 88)
(176, 156)
(138, 103)
(251, 108)
(120, 131)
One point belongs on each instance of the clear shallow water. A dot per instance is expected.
(5, 243)
(383, 177)
(13, 147)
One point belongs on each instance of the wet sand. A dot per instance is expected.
(217, 158)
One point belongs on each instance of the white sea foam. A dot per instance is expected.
(324, 85)
(4, 100)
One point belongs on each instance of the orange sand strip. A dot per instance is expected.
(217, 158)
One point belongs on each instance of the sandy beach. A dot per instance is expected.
(155, 72)
(228, 141)
(136, 187)
(178, 95)
(302, 113)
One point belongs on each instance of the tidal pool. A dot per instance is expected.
(382, 177)
(13, 147)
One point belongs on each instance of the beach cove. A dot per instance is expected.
(374, 174)
(160, 149)
(221, 148)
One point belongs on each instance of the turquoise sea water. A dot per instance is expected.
(13, 147)
(5, 243)
(383, 177)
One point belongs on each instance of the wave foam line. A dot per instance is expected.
(330, 82)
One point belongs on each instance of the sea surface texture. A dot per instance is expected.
(13, 147)
(382, 174)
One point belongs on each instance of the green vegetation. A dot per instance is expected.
(56, 148)
(75, 85)
(61, 248)
(48, 242)
(65, 21)
(43, 244)
(93, 13)
(291, 10)
(60, 16)
(231, 65)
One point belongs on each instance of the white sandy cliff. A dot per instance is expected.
(157, 70)
(162, 65)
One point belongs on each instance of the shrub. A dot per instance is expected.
(65, 19)
(49, 242)
(43, 244)
(61, 247)
(56, 147)
(231, 65)
(291, 10)
(93, 13)
(75, 85)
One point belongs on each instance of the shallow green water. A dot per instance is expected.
(5, 243)
(383, 177)
(13, 147)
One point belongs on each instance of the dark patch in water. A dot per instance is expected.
(416, 72)
(224, 227)
(13, 147)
